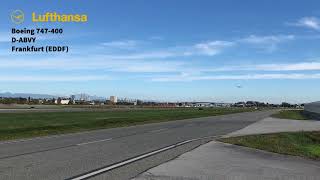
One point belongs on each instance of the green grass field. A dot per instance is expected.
(32, 124)
(305, 144)
(291, 114)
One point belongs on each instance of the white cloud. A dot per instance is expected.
(127, 44)
(59, 78)
(308, 22)
(149, 66)
(144, 55)
(211, 48)
(267, 39)
(236, 77)
(300, 66)
(204, 49)
(268, 43)
(187, 70)
(207, 48)
(303, 66)
(95, 63)
(176, 78)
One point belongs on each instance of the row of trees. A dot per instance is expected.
(29, 100)
(262, 104)
(288, 105)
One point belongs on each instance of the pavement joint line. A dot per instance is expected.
(134, 159)
(33, 152)
(43, 137)
(65, 135)
(91, 142)
(158, 130)
(25, 140)
(54, 136)
(70, 134)
(72, 145)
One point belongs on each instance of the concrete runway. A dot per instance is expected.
(220, 161)
(66, 156)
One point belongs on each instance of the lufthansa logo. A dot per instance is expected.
(17, 16)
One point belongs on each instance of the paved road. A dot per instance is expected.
(65, 156)
(275, 125)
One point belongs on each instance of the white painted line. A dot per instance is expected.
(122, 163)
(100, 171)
(91, 142)
(158, 130)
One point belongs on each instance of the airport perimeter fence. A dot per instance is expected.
(312, 110)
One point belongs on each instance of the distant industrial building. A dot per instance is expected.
(202, 104)
(65, 101)
(62, 101)
(113, 99)
(73, 99)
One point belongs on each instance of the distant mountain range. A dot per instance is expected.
(44, 96)
(26, 95)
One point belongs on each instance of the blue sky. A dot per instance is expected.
(210, 50)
